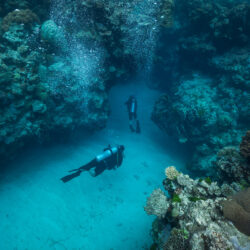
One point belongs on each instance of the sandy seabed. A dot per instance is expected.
(38, 211)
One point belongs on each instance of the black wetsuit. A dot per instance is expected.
(132, 108)
(110, 159)
(131, 104)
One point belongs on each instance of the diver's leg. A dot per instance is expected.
(131, 122)
(138, 127)
(71, 176)
(131, 126)
(78, 171)
(99, 169)
(89, 165)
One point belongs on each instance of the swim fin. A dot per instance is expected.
(131, 128)
(70, 176)
(138, 128)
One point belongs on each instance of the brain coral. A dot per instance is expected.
(237, 210)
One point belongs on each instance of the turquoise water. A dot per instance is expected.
(40, 212)
(67, 67)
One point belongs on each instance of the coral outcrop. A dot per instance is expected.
(196, 114)
(196, 216)
(200, 211)
(26, 17)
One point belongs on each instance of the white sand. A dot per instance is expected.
(38, 211)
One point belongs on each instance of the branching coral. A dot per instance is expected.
(19, 17)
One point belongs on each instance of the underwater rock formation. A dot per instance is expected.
(195, 215)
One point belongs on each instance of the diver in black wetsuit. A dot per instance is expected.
(111, 158)
(132, 114)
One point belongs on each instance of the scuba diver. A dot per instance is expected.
(132, 114)
(111, 158)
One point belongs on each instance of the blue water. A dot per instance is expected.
(38, 211)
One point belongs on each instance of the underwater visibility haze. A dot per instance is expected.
(125, 124)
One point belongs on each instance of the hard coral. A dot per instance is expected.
(171, 172)
(237, 210)
(19, 17)
(157, 204)
(230, 165)
(245, 146)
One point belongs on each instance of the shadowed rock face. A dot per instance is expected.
(237, 210)
(245, 146)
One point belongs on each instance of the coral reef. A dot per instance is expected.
(56, 71)
(203, 61)
(30, 109)
(197, 221)
(200, 50)
(19, 17)
(200, 211)
(196, 114)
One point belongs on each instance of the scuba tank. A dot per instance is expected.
(132, 110)
(107, 153)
